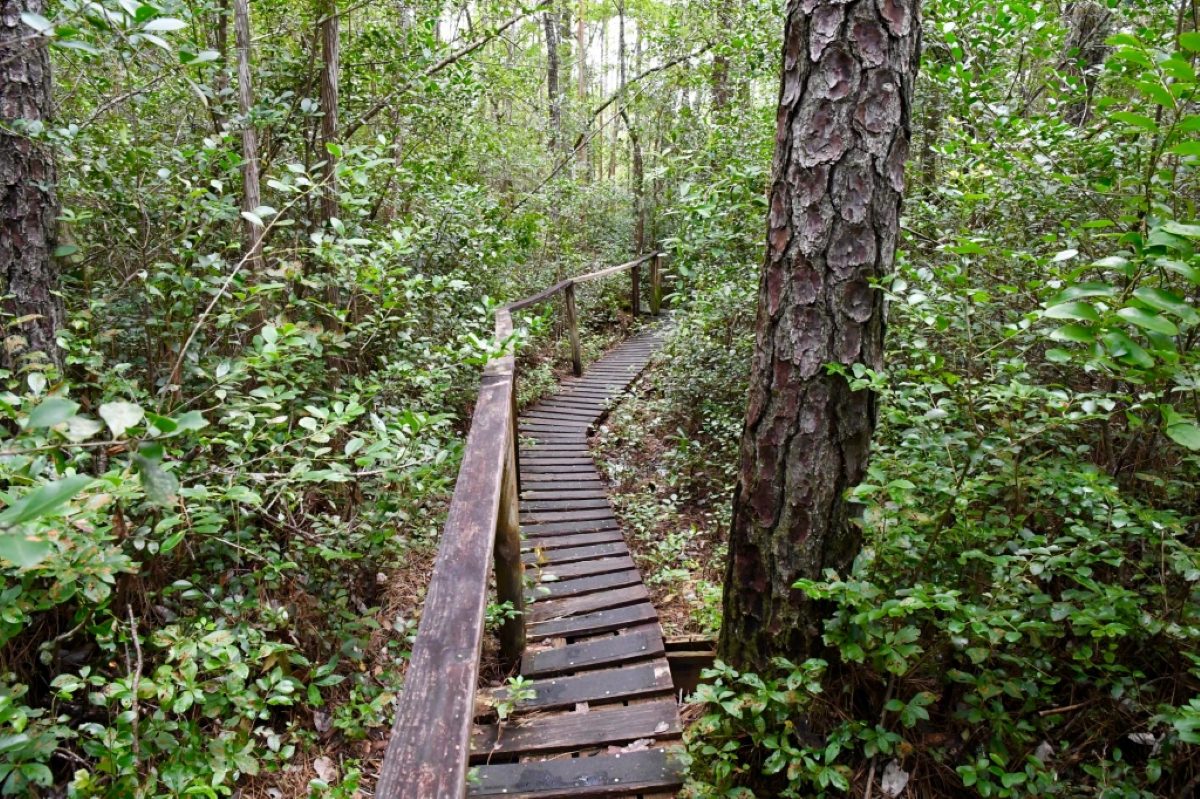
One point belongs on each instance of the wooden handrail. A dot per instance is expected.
(430, 745)
(560, 287)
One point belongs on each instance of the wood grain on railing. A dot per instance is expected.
(428, 752)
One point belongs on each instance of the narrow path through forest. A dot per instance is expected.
(601, 717)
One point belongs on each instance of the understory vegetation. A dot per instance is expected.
(219, 513)
(1024, 617)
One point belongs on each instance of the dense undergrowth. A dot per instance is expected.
(1024, 619)
(219, 516)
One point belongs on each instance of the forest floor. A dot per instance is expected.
(677, 536)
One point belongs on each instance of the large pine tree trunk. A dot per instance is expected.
(27, 203)
(841, 144)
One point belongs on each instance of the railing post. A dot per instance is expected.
(510, 571)
(573, 331)
(635, 302)
(656, 284)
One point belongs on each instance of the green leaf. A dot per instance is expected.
(43, 500)
(120, 416)
(177, 425)
(1190, 41)
(81, 428)
(1180, 229)
(37, 22)
(24, 551)
(1148, 321)
(1167, 301)
(1081, 290)
(165, 24)
(1185, 433)
(1077, 333)
(1187, 148)
(1180, 268)
(52, 411)
(160, 485)
(1136, 120)
(1080, 311)
(1126, 349)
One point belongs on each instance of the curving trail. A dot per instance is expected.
(604, 720)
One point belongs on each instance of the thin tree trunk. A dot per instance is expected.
(31, 311)
(330, 57)
(841, 144)
(221, 85)
(1089, 24)
(251, 189)
(553, 97)
(720, 65)
(581, 55)
(639, 182)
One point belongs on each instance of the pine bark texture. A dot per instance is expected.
(842, 138)
(28, 206)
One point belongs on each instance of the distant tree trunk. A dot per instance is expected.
(251, 190)
(221, 85)
(639, 186)
(581, 63)
(840, 147)
(554, 98)
(1089, 24)
(28, 207)
(330, 56)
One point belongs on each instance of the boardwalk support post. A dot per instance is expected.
(656, 284)
(635, 300)
(573, 331)
(510, 572)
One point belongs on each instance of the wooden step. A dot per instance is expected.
(600, 727)
(627, 774)
(549, 609)
(596, 687)
(601, 621)
(637, 644)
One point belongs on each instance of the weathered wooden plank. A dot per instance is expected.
(637, 644)
(624, 774)
(539, 556)
(557, 460)
(584, 485)
(561, 401)
(555, 414)
(593, 492)
(597, 686)
(601, 621)
(586, 568)
(564, 503)
(583, 585)
(558, 469)
(548, 479)
(575, 605)
(547, 530)
(567, 540)
(581, 515)
(605, 725)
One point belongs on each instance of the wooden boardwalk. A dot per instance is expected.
(603, 720)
